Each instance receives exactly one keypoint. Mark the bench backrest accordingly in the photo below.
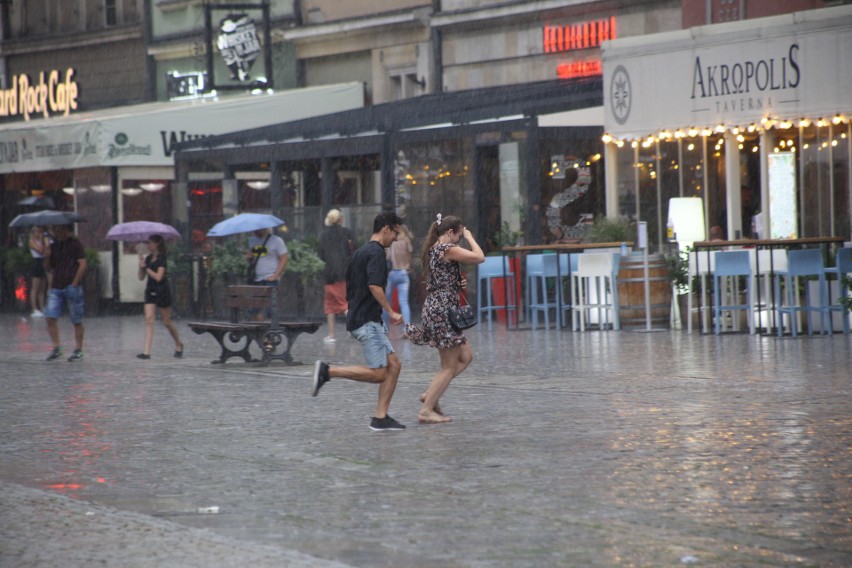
(241, 297)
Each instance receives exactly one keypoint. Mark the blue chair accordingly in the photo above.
(734, 263)
(494, 267)
(802, 263)
(540, 267)
(842, 267)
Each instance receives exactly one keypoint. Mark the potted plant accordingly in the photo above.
(610, 230)
(301, 291)
(227, 265)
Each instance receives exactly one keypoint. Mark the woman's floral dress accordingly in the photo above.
(443, 287)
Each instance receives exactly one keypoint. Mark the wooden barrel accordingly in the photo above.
(631, 291)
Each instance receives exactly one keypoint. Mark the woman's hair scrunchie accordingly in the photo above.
(438, 220)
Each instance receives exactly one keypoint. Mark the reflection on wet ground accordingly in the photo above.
(567, 449)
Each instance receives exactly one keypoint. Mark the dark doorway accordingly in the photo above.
(488, 194)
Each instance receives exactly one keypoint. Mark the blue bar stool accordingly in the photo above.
(540, 267)
(732, 263)
(495, 267)
(842, 267)
(802, 263)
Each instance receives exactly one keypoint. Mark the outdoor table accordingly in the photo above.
(558, 249)
(770, 244)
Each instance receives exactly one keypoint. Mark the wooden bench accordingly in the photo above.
(274, 338)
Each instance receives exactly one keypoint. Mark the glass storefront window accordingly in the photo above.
(814, 194)
(692, 149)
(840, 160)
(144, 200)
(560, 151)
(205, 199)
(669, 178)
(715, 200)
(434, 177)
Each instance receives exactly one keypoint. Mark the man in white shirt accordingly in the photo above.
(269, 254)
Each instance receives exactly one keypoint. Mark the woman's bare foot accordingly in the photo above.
(437, 406)
(429, 417)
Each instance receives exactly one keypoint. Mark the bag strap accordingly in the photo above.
(256, 257)
(462, 297)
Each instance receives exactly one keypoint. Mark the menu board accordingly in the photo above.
(783, 212)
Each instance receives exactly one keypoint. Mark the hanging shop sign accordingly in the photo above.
(729, 77)
(54, 93)
(585, 35)
(238, 44)
(242, 35)
(576, 69)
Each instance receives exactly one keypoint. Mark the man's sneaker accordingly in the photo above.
(37, 314)
(55, 354)
(77, 355)
(385, 424)
(320, 377)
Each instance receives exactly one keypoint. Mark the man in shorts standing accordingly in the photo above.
(366, 278)
(269, 255)
(67, 259)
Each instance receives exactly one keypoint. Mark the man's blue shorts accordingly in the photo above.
(72, 296)
(373, 337)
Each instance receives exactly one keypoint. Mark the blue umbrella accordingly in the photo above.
(244, 223)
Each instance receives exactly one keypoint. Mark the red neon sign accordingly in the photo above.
(578, 36)
(576, 69)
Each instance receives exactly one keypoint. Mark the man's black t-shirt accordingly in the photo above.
(368, 266)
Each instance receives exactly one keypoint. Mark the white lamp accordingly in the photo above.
(686, 216)
(259, 185)
(131, 191)
(152, 186)
(101, 188)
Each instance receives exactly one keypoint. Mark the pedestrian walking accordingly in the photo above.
(336, 245)
(441, 257)
(267, 256)
(399, 263)
(157, 294)
(366, 278)
(39, 243)
(66, 258)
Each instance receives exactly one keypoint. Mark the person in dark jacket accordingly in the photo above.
(335, 247)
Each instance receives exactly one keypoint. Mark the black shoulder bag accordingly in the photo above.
(464, 316)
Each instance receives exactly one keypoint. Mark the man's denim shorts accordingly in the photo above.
(373, 337)
(72, 296)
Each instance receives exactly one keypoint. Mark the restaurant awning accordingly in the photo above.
(752, 73)
(146, 135)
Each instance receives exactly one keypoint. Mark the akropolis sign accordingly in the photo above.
(57, 94)
(729, 79)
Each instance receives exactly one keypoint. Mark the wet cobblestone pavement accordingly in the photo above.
(567, 449)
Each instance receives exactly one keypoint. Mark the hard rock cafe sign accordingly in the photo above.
(55, 92)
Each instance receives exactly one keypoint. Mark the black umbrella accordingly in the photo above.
(46, 217)
(38, 201)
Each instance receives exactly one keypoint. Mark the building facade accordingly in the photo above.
(752, 117)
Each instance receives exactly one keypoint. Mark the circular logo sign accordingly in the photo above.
(121, 138)
(620, 95)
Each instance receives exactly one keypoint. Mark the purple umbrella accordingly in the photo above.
(136, 231)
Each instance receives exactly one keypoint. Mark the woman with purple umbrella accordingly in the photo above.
(157, 294)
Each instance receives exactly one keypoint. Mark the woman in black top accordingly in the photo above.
(157, 294)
